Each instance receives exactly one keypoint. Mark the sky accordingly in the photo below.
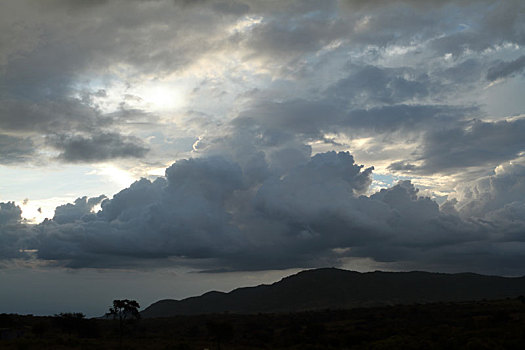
(156, 149)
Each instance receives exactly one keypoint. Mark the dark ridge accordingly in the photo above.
(331, 288)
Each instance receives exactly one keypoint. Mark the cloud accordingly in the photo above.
(404, 118)
(313, 119)
(323, 183)
(183, 215)
(81, 208)
(212, 213)
(15, 149)
(68, 51)
(275, 38)
(13, 233)
(497, 196)
(402, 166)
(371, 85)
(208, 213)
(463, 73)
(364, 4)
(505, 69)
(49, 116)
(232, 8)
(203, 210)
(499, 24)
(57, 58)
(96, 148)
(10, 214)
(476, 143)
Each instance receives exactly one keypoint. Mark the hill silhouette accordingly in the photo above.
(331, 288)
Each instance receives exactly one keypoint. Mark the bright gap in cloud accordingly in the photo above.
(34, 211)
(119, 176)
(147, 95)
(245, 24)
(161, 97)
(157, 171)
(37, 209)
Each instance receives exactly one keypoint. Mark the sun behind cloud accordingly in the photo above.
(161, 96)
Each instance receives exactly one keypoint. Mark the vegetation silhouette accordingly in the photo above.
(496, 324)
(123, 310)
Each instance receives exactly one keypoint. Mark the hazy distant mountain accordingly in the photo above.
(332, 288)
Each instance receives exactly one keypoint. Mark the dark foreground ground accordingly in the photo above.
(466, 325)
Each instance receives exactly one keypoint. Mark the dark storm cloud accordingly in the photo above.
(293, 116)
(505, 69)
(231, 7)
(10, 214)
(12, 232)
(72, 212)
(402, 166)
(279, 39)
(476, 143)
(50, 116)
(78, 4)
(15, 149)
(104, 33)
(208, 213)
(500, 23)
(184, 215)
(423, 4)
(407, 118)
(314, 118)
(60, 121)
(371, 85)
(95, 148)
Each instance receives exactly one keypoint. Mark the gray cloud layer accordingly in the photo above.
(505, 69)
(306, 43)
(99, 147)
(477, 143)
(15, 149)
(209, 213)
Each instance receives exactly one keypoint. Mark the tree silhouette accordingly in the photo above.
(123, 310)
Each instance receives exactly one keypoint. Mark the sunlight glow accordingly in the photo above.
(245, 24)
(116, 175)
(34, 211)
(161, 96)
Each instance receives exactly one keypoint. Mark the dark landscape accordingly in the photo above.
(314, 309)
(332, 288)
